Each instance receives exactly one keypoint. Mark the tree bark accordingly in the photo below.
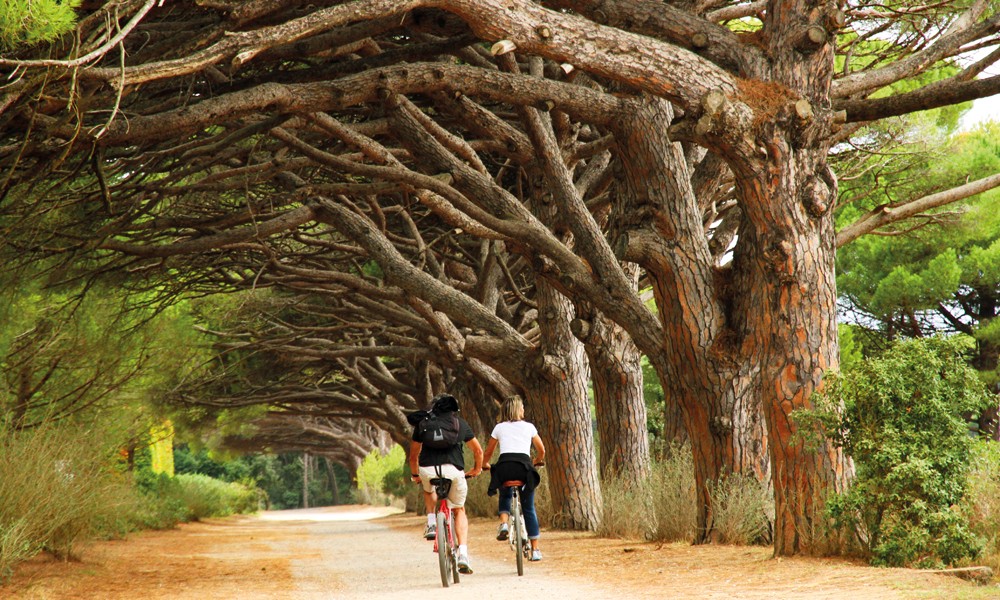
(616, 374)
(695, 358)
(786, 285)
(558, 403)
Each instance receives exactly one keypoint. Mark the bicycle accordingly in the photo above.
(518, 536)
(445, 519)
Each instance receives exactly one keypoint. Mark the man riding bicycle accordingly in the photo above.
(429, 462)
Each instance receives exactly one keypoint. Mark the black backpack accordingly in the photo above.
(439, 426)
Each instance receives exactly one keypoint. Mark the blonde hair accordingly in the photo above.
(512, 409)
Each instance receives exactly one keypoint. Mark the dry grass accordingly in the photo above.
(56, 488)
(982, 503)
(740, 509)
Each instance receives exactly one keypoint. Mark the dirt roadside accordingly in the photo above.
(357, 552)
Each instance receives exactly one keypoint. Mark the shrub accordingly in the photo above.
(982, 502)
(626, 510)
(165, 501)
(662, 509)
(56, 488)
(158, 502)
(740, 508)
(374, 470)
(901, 422)
(673, 500)
(206, 497)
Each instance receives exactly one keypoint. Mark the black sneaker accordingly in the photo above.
(431, 532)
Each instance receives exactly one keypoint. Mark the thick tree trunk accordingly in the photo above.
(557, 402)
(616, 374)
(695, 358)
(790, 298)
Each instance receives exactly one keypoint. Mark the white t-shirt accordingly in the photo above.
(514, 436)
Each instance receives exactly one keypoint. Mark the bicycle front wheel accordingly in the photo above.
(453, 550)
(516, 530)
(444, 547)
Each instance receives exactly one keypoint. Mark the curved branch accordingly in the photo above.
(935, 95)
(889, 214)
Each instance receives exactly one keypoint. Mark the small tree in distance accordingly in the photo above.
(902, 423)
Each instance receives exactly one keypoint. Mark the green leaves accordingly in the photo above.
(899, 416)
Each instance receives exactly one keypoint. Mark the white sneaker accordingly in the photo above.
(431, 532)
(536, 555)
(503, 532)
(464, 566)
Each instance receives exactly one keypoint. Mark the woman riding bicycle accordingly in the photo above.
(515, 436)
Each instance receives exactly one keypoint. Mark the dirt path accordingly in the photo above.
(365, 553)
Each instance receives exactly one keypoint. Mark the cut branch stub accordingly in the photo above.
(580, 328)
(550, 366)
(803, 110)
(721, 426)
(502, 47)
(699, 41)
(834, 19)
(713, 102)
(811, 39)
(815, 197)
(543, 265)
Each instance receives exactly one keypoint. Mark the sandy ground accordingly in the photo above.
(354, 553)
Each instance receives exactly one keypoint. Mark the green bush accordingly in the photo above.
(25, 22)
(902, 423)
(373, 473)
(206, 497)
(158, 502)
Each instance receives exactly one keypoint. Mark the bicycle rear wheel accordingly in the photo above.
(516, 529)
(444, 547)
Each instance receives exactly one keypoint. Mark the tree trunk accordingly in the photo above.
(986, 361)
(331, 476)
(695, 358)
(786, 286)
(558, 404)
(305, 480)
(616, 374)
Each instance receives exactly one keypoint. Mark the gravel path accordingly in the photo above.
(350, 559)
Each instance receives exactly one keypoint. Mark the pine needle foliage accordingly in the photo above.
(28, 22)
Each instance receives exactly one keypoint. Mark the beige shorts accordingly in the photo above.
(459, 487)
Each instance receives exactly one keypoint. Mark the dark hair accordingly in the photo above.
(444, 403)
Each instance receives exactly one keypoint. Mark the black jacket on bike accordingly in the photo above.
(513, 466)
